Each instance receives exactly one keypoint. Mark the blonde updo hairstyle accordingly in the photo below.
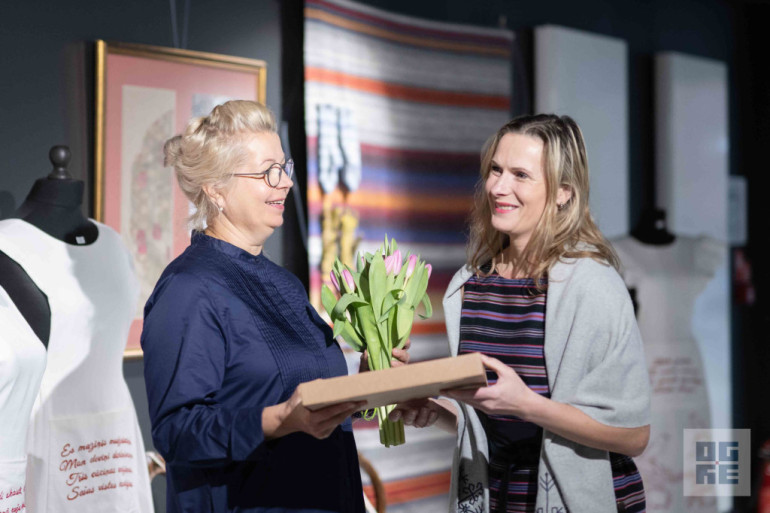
(563, 231)
(211, 149)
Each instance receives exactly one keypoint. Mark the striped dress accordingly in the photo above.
(505, 319)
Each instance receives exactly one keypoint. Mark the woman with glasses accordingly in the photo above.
(228, 335)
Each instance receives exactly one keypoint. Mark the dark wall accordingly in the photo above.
(46, 95)
(751, 135)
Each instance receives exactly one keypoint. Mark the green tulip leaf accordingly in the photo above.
(377, 282)
(428, 307)
(392, 298)
(328, 299)
(350, 336)
(345, 301)
(414, 282)
(338, 325)
(422, 286)
(405, 317)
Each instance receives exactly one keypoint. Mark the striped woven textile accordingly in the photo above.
(423, 97)
(397, 110)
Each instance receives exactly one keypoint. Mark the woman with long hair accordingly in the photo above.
(541, 298)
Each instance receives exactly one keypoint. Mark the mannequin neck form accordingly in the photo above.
(53, 206)
(652, 229)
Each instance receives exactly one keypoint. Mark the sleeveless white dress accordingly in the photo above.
(668, 279)
(85, 449)
(22, 362)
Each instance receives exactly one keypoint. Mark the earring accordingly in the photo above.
(560, 206)
(221, 208)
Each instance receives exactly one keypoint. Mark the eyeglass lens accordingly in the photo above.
(274, 173)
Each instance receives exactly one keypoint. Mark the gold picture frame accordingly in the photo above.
(144, 95)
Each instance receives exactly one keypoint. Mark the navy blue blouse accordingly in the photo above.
(226, 334)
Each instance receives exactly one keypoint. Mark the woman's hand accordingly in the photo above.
(426, 412)
(290, 416)
(509, 396)
(400, 357)
(417, 412)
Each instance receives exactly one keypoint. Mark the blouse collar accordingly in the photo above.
(234, 252)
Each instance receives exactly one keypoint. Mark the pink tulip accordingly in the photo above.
(334, 281)
(349, 281)
(429, 268)
(390, 264)
(398, 261)
(411, 265)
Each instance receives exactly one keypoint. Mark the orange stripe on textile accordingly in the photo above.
(363, 28)
(377, 200)
(413, 489)
(428, 328)
(403, 92)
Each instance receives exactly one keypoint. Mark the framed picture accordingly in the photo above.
(144, 96)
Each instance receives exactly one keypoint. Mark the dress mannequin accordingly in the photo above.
(53, 205)
(73, 283)
(652, 228)
(667, 274)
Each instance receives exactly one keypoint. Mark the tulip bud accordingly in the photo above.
(429, 268)
(389, 264)
(349, 281)
(411, 265)
(334, 281)
(398, 262)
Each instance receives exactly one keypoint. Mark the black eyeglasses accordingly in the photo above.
(272, 175)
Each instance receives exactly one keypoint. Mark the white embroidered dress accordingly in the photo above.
(85, 449)
(668, 279)
(22, 362)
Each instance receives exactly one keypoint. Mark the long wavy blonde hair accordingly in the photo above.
(562, 232)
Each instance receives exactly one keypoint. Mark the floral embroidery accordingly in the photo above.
(470, 496)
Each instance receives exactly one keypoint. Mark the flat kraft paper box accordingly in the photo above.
(399, 384)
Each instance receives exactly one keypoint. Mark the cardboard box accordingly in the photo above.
(391, 386)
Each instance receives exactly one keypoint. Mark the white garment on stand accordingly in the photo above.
(22, 362)
(668, 279)
(85, 449)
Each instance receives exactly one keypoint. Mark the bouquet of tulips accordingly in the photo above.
(375, 311)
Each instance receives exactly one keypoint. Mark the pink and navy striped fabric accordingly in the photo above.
(505, 318)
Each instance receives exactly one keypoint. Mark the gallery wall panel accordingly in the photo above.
(585, 76)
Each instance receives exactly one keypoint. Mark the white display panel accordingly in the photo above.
(691, 143)
(692, 173)
(585, 76)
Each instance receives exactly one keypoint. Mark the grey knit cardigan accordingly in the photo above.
(595, 362)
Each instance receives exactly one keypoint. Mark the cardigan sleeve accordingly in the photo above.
(185, 355)
(604, 356)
